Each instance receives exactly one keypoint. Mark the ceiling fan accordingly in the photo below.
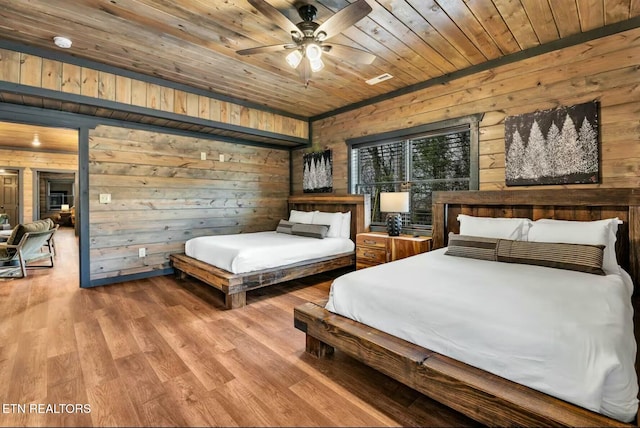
(308, 37)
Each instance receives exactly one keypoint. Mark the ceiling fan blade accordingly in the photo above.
(265, 49)
(344, 19)
(305, 71)
(275, 16)
(348, 53)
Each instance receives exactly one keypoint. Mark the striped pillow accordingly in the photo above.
(285, 226)
(577, 257)
(473, 247)
(310, 230)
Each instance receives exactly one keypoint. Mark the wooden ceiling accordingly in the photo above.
(19, 136)
(194, 41)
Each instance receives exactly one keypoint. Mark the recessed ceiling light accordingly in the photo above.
(378, 79)
(62, 42)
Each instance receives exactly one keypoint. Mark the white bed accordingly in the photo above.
(565, 333)
(248, 252)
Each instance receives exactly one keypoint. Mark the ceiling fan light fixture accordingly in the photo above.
(294, 58)
(316, 65)
(313, 51)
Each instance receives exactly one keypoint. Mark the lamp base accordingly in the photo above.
(394, 224)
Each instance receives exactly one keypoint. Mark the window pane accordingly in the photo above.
(439, 162)
(421, 208)
(382, 164)
(441, 157)
(381, 169)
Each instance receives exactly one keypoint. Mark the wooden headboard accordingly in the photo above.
(333, 203)
(560, 204)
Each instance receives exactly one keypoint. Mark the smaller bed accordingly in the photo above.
(245, 262)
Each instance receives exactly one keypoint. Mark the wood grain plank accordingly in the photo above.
(111, 405)
(71, 78)
(153, 96)
(90, 82)
(542, 20)
(138, 93)
(28, 382)
(95, 359)
(567, 17)
(164, 361)
(51, 74)
(123, 89)
(107, 86)
(9, 66)
(591, 13)
(30, 70)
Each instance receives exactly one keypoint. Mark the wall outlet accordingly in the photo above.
(105, 198)
(203, 155)
(142, 252)
(221, 157)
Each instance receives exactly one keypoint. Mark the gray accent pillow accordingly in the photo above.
(285, 226)
(473, 247)
(578, 257)
(310, 230)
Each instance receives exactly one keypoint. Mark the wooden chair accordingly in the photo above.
(30, 248)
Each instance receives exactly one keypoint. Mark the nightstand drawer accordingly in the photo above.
(379, 241)
(371, 254)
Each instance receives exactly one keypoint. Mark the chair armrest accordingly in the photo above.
(4, 245)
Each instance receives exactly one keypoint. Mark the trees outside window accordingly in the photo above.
(420, 164)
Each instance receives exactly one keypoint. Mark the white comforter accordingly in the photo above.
(247, 252)
(568, 334)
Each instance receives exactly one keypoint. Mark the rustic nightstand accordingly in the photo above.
(374, 248)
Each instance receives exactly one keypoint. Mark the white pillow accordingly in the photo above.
(345, 231)
(599, 232)
(499, 228)
(301, 216)
(333, 220)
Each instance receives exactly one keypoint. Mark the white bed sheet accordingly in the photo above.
(247, 252)
(565, 333)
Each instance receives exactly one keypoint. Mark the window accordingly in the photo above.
(420, 160)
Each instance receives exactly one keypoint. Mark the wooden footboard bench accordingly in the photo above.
(478, 394)
(235, 286)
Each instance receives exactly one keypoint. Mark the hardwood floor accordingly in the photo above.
(156, 352)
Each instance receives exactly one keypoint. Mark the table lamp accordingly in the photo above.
(394, 203)
(64, 207)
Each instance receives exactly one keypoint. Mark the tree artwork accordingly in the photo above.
(317, 172)
(538, 151)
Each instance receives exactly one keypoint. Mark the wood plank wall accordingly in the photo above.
(605, 69)
(30, 161)
(31, 70)
(162, 194)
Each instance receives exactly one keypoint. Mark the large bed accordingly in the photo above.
(235, 264)
(575, 352)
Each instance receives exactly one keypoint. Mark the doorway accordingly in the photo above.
(9, 197)
(55, 196)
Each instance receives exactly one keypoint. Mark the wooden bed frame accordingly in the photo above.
(235, 286)
(480, 395)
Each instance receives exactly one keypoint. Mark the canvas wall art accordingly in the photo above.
(317, 175)
(558, 146)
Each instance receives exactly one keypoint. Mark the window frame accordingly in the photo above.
(469, 123)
